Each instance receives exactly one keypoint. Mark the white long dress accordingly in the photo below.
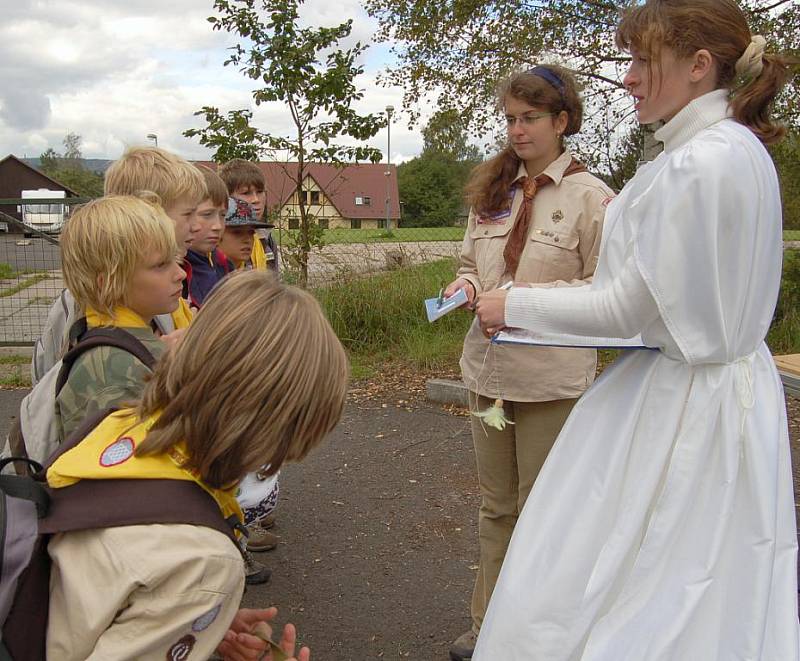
(662, 525)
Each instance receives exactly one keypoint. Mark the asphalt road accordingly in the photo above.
(37, 254)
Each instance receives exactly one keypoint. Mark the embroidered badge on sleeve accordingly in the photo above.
(182, 649)
(118, 452)
(204, 621)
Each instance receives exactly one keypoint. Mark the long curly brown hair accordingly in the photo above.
(489, 183)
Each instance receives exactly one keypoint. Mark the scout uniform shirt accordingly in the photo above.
(561, 251)
(105, 377)
(156, 591)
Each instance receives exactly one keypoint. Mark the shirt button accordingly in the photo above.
(485, 232)
(556, 239)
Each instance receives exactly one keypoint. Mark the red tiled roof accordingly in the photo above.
(341, 186)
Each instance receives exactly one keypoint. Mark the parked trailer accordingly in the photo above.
(45, 216)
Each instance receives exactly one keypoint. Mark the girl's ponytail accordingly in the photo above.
(752, 101)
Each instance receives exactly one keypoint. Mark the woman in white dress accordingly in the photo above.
(662, 525)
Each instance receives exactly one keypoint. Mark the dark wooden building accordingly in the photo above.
(17, 176)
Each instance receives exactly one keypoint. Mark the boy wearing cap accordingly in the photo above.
(241, 223)
(245, 181)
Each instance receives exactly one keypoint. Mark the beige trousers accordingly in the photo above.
(508, 463)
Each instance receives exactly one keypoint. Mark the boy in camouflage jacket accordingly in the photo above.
(121, 263)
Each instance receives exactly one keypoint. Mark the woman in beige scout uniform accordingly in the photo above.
(536, 217)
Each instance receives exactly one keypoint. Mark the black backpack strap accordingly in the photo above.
(25, 488)
(103, 337)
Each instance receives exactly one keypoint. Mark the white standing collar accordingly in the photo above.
(699, 114)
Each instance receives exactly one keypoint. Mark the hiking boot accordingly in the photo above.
(464, 646)
(254, 572)
(267, 522)
(260, 539)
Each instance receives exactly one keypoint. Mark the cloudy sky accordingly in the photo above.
(114, 72)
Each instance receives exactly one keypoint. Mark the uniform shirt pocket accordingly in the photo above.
(489, 241)
(552, 254)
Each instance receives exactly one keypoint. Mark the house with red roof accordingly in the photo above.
(354, 196)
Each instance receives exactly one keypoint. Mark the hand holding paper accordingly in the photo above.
(491, 309)
(438, 307)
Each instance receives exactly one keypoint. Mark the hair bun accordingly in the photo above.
(751, 63)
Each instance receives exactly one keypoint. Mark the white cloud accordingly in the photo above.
(114, 72)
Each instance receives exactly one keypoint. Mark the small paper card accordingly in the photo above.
(519, 336)
(435, 310)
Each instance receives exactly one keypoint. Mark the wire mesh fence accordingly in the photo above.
(30, 263)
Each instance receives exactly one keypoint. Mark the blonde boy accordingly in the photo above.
(120, 261)
(178, 184)
(205, 266)
(180, 188)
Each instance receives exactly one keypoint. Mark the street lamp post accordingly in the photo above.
(153, 137)
(389, 111)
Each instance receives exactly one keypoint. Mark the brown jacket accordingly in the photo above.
(561, 251)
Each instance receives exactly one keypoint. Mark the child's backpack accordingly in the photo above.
(30, 512)
(22, 502)
(34, 435)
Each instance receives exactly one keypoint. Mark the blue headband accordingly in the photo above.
(550, 77)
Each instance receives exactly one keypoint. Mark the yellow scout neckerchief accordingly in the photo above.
(107, 453)
(258, 256)
(123, 317)
(182, 317)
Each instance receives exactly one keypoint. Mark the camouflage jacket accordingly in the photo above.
(103, 377)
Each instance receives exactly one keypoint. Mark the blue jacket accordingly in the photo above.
(203, 272)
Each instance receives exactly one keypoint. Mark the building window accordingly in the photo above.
(355, 223)
(359, 201)
(323, 223)
(314, 197)
(294, 223)
(366, 201)
(362, 201)
(382, 224)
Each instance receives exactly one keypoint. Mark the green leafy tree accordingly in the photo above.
(432, 185)
(305, 70)
(786, 155)
(69, 169)
(454, 53)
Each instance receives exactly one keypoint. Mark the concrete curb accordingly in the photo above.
(447, 391)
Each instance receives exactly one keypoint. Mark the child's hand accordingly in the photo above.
(174, 338)
(240, 643)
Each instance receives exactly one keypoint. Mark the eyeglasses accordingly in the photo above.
(527, 119)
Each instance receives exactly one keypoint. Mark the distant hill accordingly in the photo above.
(99, 165)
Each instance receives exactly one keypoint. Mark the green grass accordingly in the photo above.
(288, 237)
(15, 359)
(15, 381)
(383, 318)
(23, 284)
(784, 334)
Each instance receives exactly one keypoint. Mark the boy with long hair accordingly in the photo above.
(171, 589)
